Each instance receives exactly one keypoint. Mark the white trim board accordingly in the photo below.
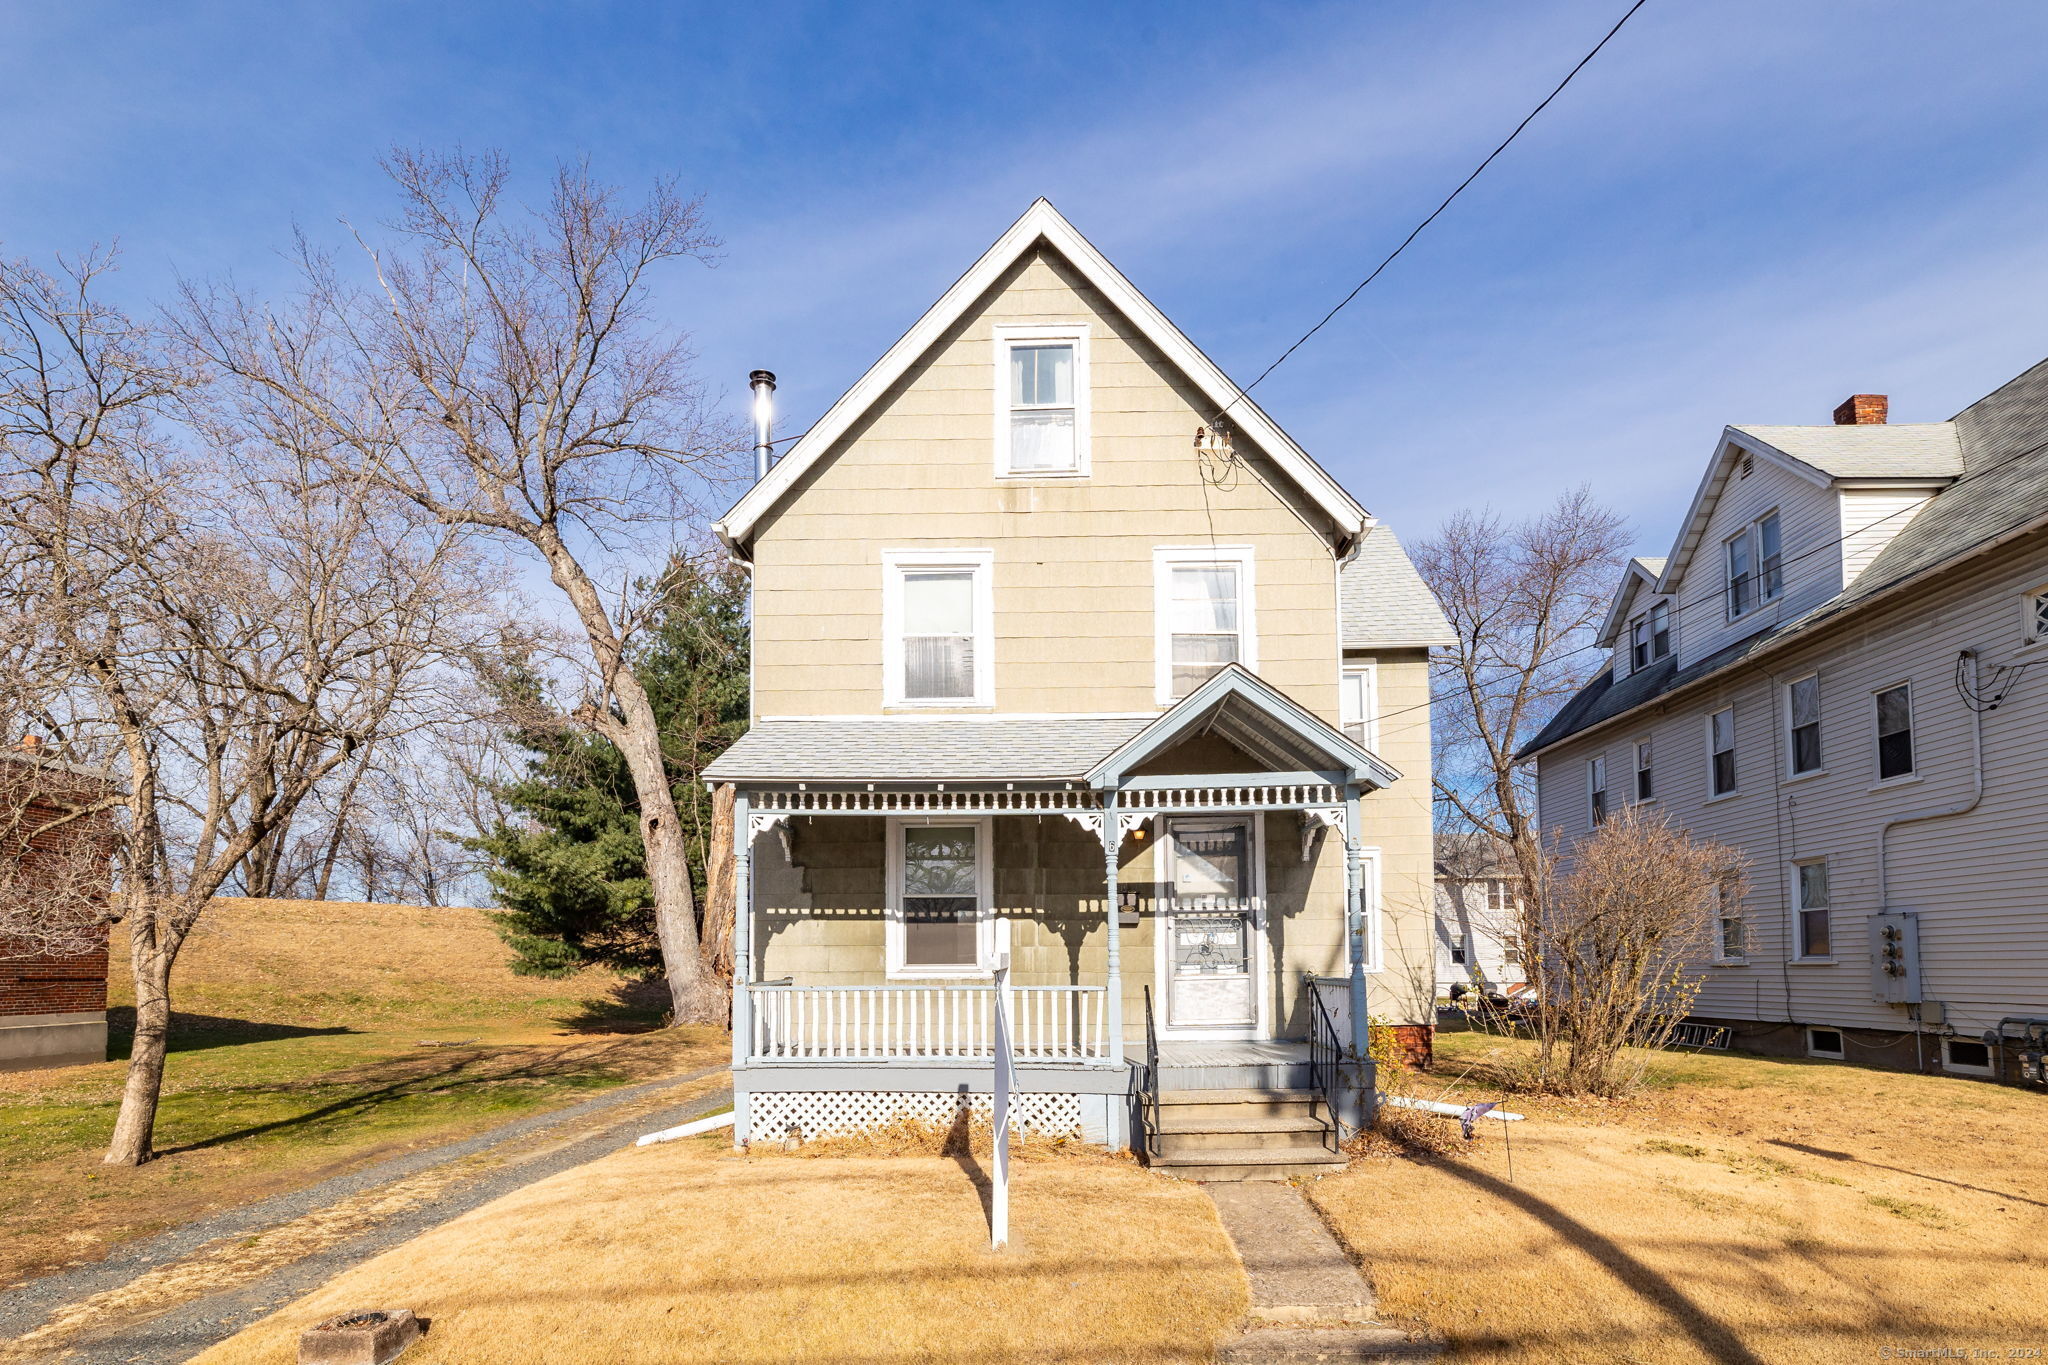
(1041, 223)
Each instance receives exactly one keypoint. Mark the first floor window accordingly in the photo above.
(1646, 785)
(1596, 789)
(936, 628)
(1811, 886)
(1802, 717)
(1731, 941)
(939, 925)
(1204, 609)
(1894, 732)
(1721, 751)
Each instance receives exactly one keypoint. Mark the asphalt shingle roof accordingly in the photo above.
(1382, 601)
(2003, 444)
(936, 749)
(1872, 451)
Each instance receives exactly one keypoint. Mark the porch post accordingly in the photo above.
(1113, 1012)
(1364, 1082)
(742, 956)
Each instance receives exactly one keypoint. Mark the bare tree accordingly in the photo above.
(1634, 904)
(56, 855)
(501, 370)
(225, 626)
(1524, 600)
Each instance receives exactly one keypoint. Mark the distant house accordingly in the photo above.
(1047, 671)
(1478, 908)
(53, 998)
(1836, 669)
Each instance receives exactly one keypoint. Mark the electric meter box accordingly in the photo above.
(1895, 957)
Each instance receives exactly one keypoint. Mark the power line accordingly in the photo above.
(1527, 119)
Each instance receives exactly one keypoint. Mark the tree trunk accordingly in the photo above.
(719, 909)
(135, 1127)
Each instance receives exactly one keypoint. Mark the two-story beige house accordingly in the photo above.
(1834, 671)
(1067, 657)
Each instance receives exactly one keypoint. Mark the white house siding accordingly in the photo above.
(1979, 881)
(1809, 528)
(1462, 914)
(1870, 518)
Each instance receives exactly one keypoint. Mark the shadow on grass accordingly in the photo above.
(198, 1032)
(1901, 1170)
(630, 1007)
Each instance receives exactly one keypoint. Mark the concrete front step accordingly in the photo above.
(1271, 1134)
(1252, 1102)
(1332, 1344)
(1250, 1163)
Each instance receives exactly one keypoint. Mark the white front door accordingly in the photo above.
(1211, 958)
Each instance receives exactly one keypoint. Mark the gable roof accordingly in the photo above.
(1910, 450)
(2002, 494)
(1382, 602)
(1041, 223)
(1641, 569)
(1252, 715)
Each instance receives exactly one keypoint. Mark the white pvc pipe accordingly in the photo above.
(686, 1130)
(1449, 1111)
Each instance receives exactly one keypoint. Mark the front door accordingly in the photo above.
(1210, 945)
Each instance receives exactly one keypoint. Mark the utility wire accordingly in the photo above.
(1435, 213)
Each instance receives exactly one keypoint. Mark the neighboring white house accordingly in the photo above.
(1835, 671)
(1478, 910)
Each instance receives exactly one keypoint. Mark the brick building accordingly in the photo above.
(53, 991)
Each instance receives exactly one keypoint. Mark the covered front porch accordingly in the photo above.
(1161, 890)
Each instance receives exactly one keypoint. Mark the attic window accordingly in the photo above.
(1041, 402)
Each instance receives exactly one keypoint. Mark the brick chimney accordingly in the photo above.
(1862, 410)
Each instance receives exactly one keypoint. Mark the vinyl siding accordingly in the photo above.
(1073, 558)
(1979, 882)
(1870, 518)
(1809, 527)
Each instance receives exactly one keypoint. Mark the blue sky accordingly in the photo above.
(1742, 212)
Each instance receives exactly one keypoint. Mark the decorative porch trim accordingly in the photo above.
(1314, 818)
(772, 1113)
(1073, 803)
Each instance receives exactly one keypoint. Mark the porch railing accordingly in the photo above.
(927, 1023)
(1325, 1053)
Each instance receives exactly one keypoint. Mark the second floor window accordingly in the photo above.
(1041, 409)
(1756, 572)
(1894, 732)
(1358, 705)
(1204, 616)
(1646, 784)
(1802, 723)
(1721, 752)
(935, 618)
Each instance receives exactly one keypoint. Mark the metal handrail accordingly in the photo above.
(1325, 1054)
(1148, 1086)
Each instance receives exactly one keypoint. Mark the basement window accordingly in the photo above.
(1966, 1057)
(1825, 1042)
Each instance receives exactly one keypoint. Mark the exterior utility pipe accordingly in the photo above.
(1977, 710)
(686, 1130)
(763, 384)
(1449, 1111)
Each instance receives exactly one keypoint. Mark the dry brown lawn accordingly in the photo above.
(310, 1039)
(684, 1252)
(1741, 1211)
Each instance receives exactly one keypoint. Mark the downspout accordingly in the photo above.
(1968, 659)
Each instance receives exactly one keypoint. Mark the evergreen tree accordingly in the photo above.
(571, 877)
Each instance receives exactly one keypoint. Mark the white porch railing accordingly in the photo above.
(928, 1023)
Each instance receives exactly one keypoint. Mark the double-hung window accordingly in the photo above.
(939, 922)
(1041, 402)
(1359, 704)
(1458, 949)
(936, 610)
(1802, 724)
(1646, 782)
(1202, 610)
(1731, 944)
(1756, 573)
(1721, 752)
(1596, 790)
(1650, 637)
(1810, 887)
(1894, 732)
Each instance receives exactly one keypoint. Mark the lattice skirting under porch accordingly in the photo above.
(771, 1113)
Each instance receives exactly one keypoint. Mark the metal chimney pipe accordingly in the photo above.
(763, 383)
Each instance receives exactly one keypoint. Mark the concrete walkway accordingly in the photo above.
(503, 1159)
(1309, 1302)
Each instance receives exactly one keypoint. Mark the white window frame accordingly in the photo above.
(982, 564)
(1877, 735)
(1656, 653)
(1643, 749)
(1734, 772)
(1799, 909)
(1369, 894)
(1006, 337)
(1819, 732)
(1166, 558)
(1724, 912)
(2031, 605)
(1990, 1067)
(990, 935)
(1639, 642)
(1752, 536)
(1596, 791)
(1369, 723)
(1813, 1051)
